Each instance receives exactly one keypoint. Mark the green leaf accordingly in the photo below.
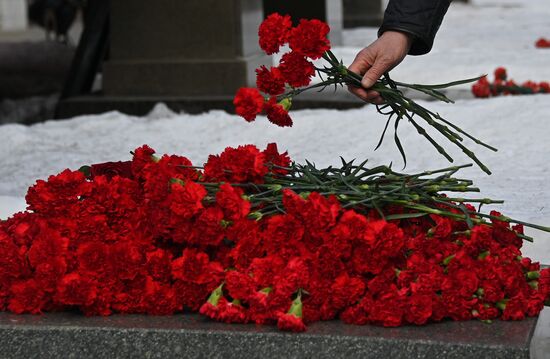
(405, 216)
(444, 85)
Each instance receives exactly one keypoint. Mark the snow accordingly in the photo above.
(473, 39)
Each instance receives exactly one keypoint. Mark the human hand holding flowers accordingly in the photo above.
(308, 41)
(376, 59)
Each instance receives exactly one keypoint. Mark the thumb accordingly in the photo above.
(373, 74)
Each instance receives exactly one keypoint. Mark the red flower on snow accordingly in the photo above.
(542, 43)
(500, 74)
(482, 88)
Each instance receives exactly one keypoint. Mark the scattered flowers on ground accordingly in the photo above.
(543, 43)
(503, 85)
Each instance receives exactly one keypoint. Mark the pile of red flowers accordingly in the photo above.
(502, 85)
(308, 40)
(543, 43)
(160, 236)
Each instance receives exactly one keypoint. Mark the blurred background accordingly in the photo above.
(61, 58)
(38, 39)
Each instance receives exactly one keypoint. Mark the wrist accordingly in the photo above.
(405, 38)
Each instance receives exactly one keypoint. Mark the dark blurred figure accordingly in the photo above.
(55, 16)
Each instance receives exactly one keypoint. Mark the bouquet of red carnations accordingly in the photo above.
(308, 41)
(252, 237)
(504, 86)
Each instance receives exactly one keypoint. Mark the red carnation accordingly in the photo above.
(277, 114)
(419, 309)
(92, 258)
(59, 193)
(75, 289)
(248, 103)
(208, 228)
(231, 201)
(500, 74)
(274, 32)
(482, 88)
(186, 200)
(142, 157)
(309, 38)
(296, 69)
(292, 320)
(515, 308)
(112, 169)
(159, 299)
(542, 43)
(159, 265)
(271, 81)
(291, 323)
(236, 165)
(27, 297)
(232, 313)
(273, 157)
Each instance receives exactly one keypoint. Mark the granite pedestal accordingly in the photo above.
(182, 48)
(66, 335)
(358, 13)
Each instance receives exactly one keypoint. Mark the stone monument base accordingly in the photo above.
(72, 335)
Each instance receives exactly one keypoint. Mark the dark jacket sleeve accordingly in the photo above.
(420, 18)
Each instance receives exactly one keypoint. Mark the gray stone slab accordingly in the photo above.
(182, 48)
(66, 335)
(358, 13)
(33, 68)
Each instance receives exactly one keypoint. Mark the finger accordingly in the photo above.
(359, 65)
(372, 94)
(378, 100)
(373, 74)
(359, 92)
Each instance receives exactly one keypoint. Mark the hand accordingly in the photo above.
(378, 58)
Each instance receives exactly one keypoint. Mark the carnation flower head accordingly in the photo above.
(482, 88)
(277, 113)
(292, 321)
(542, 43)
(273, 157)
(270, 81)
(236, 165)
(231, 201)
(274, 32)
(500, 74)
(310, 39)
(296, 69)
(248, 103)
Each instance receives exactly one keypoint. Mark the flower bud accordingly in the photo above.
(216, 295)
(286, 103)
(255, 215)
(275, 187)
(533, 275)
